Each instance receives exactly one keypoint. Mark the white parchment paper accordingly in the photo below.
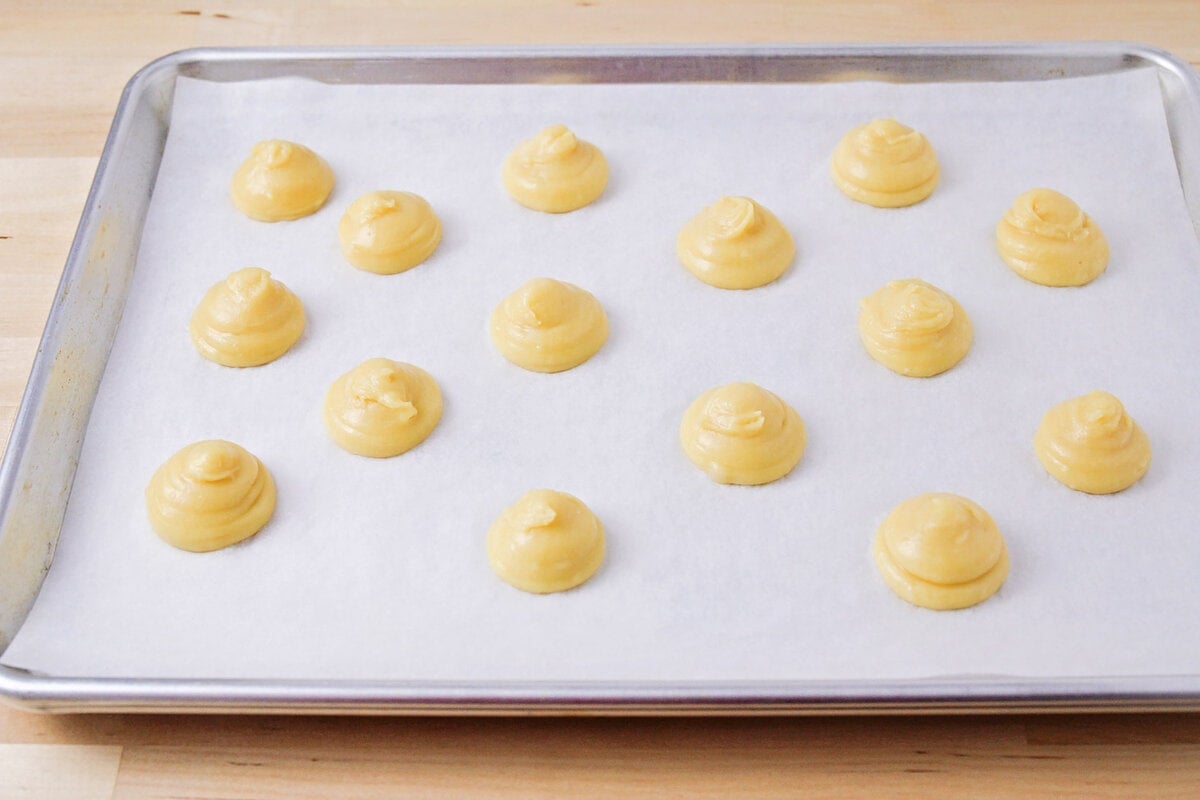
(376, 569)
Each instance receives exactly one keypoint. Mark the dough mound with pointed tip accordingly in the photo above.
(382, 408)
(389, 232)
(1091, 444)
(941, 551)
(885, 164)
(210, 495)
(247, 320)
(546, 542)
(555, 171)
(740, 433)
(280, 181)
(914, 328)
(735, 244)
(548, 326)
(1048, 239)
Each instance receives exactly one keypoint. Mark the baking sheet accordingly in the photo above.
(376, 569)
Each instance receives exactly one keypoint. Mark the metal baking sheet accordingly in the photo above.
(39, 466)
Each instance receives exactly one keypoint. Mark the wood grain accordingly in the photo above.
(1150, 756)
(62, 69)
(66, 771)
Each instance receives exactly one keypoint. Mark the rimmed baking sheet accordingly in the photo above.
(705, 585)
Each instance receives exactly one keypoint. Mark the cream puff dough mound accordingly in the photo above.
(389, 232)
(941, 551)
(885, 164)
(735, 244)
(548, 326)
(1091, 444)
(546, 542)
(555, 171)
(740, 433)
(246, 320)
(1048, 239)
(914, 328)
(281, 181)
(210, 495)
(382, 408)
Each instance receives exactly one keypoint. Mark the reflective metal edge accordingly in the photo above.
(39, 464)
(933, 695)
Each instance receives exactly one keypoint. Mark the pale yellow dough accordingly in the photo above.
(941, 551)
(885, 164)
(389, 232)
(548, 326)
(1091, 444)
(914, 328)
(382, 408)
(743, 434)
(1048, 239)
(210, 495)
(547, 541)
(555, 171)
(280, 181)
(246, 320)
(735, 244)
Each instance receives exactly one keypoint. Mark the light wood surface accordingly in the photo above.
(62, 69)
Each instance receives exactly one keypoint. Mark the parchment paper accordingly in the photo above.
(376, 569)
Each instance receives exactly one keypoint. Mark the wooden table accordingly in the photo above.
(61, 73)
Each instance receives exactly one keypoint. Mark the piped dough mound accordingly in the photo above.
(1048, 239)
(735, 244)
(914, 328)
(547, 541)
(246, 320)
(280, 181)
(885, 164)
(210, 495)
(941, 551)
(548, 326)
(740, 433)
(555, 171)
(1091, 444)
(387, 232)
(382, 408)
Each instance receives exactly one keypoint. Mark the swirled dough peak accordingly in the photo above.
(246, 320)
(382, 408)
(548, 326)
(389, 232)
(743, 434)
(279, 181)
(210, 495)
(1047, 238)
(1091, 444)
(555, 171)
(547, 541)
(914, 328)
(735, 244)
(941, 551)
(885, 164)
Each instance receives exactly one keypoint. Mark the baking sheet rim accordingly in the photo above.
(1009, 694)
